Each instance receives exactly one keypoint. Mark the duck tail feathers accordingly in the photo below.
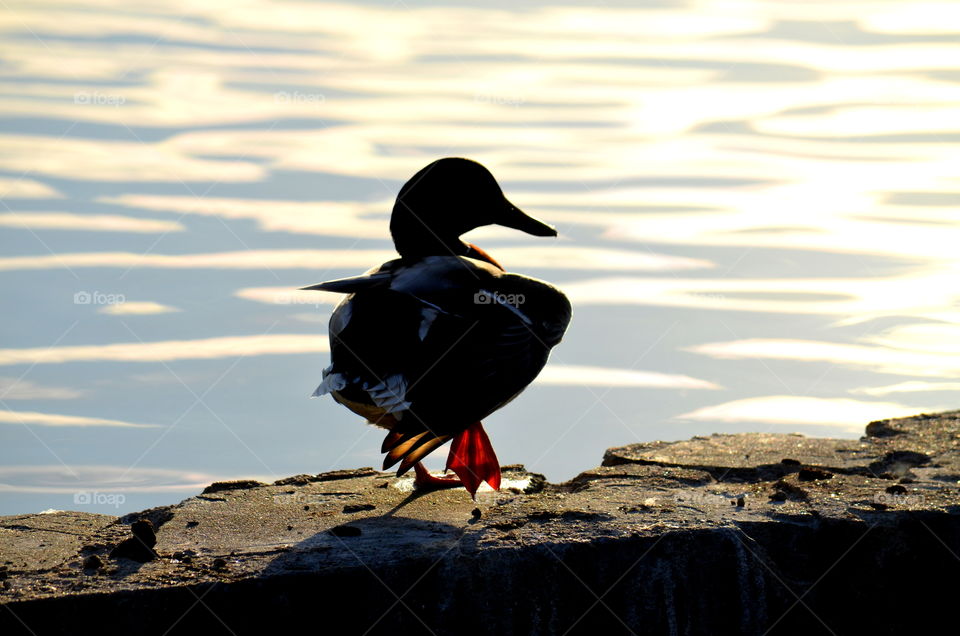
(352, 284)
(409, 448)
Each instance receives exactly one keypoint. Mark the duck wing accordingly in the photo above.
(481, 359)
(475, 362)
(468, 368)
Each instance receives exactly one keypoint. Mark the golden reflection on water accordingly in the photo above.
(69, 480)
(801, 411)
(705, 160)
(169, 350)
(49, 419)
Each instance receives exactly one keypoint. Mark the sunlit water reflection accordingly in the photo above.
(754, 198)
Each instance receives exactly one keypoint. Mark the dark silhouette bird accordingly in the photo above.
(428, 345)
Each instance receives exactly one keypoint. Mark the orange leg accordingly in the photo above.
(425, 481)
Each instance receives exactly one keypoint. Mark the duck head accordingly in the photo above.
(448, 198)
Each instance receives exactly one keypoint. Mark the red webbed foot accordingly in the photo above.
(473, 460)
(425, 481)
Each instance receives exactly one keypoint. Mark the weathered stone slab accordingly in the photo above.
(718, 533)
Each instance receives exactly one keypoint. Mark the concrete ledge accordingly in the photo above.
(749, 533)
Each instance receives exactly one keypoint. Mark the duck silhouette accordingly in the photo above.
(429, 344)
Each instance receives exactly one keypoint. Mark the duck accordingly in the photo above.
(428, 345)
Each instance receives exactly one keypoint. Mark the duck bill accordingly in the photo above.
(515, 218)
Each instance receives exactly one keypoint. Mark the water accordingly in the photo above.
(756, 202)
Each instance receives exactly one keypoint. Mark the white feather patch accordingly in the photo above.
(428, 315)
(390, 395)
(331, 382)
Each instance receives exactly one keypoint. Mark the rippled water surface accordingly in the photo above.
(757, 204)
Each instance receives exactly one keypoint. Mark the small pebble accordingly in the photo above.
(813, 474)
(476, 513)
(220, 563)
(139, 547)
(143, 530)
(92, 562)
